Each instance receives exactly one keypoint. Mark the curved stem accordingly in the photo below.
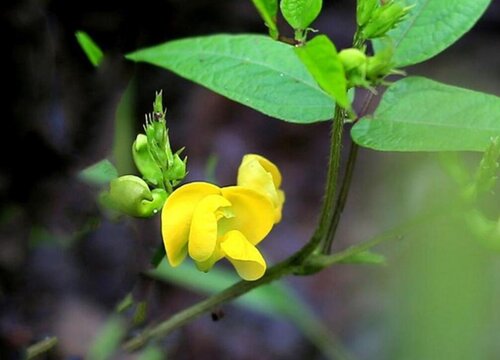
(192, 312)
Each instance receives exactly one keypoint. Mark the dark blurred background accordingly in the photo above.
(64, 265)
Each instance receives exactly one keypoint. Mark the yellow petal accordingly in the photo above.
(176, 218)
(268, 166)
(245, 257)
(203, 231)
(206, 265)
(253, 213)
(258, 173)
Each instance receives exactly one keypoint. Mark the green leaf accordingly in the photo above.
(90, 48)
(274, 300)
(268, 10)
(300, 13)
(418, 114)
(321, 59)
(254, 70)
(431, 27)
(100, 173)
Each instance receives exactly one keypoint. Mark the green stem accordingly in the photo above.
(396, 233)
(332, 177)
(346, 184)
(190, 313)
(41, 347)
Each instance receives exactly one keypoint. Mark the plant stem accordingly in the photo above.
(41, 347)
(332, 177)
(190, 313)
(346, 184)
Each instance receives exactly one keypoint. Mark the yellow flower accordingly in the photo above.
(261, 175)
(209, 223)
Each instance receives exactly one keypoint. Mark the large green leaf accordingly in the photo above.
(431, 27)
(254, 70)
(418, 114)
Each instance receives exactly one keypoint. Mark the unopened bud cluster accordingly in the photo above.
(160, 167)
(375, 20)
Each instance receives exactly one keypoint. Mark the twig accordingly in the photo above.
(41, 347)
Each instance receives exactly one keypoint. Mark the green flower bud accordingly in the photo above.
(177, 171)
(364, 11)
(144, 162)
(380, 65)
(131, 195)
(384, 19)
(352, 58)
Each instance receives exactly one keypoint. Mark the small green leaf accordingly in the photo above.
(431, 27)
(100, 173)
(364, 257)
(254, 70)
(90, 48)
(268, 10)
(321, 59)
(300, 13)
(418, 114)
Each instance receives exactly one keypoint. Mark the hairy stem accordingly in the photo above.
(346, 184)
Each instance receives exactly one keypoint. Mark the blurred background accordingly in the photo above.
(64, 265)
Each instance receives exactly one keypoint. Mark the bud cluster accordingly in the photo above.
(375, 19)
(160, 167)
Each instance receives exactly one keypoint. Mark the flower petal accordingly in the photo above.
(266, 164)
(176, 217)
(203, 230)
(253, 213)
(245, 257)
(258, 173)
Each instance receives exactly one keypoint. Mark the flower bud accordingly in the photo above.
(384, 19)
(144, 162)
(352, 58)
(364, 11)
(380, 65)
(131, 195)
(177, 171)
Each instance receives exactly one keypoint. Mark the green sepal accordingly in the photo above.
(177, 170)
(144, 162)
(130, 195)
